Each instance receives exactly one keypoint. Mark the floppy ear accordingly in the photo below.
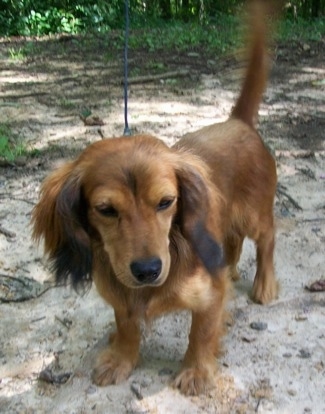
(194, 210)
(60, 217)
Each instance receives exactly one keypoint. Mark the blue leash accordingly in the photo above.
(127, 130)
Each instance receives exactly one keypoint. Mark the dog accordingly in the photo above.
(161, 229)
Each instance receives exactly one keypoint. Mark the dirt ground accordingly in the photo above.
(55, 334)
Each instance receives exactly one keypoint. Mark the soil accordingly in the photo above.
(50, 335)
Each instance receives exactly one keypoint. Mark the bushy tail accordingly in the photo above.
(259, 13)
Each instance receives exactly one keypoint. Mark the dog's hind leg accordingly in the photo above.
(265, 287)
(233, 248)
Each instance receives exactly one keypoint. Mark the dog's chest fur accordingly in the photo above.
(191, 292)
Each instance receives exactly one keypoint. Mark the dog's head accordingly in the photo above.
(124, 195)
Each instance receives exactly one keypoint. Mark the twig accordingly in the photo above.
(45, 290)
(292, 201)
(100, 132)
(27, 95)
(10, 197)
(65, 322)
(308, 172)
(157, 77)
(312, 220)
(7, 233)
(38, 319)
(24, 200)
(295, 154)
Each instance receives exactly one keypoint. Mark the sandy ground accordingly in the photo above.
(280, 369)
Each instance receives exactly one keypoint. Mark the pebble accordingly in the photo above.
(133, 407)
(165, 371)
(193, 54)
(303, 353)
(21, 161)
(287, 355)
(248, 340)
(301, 318)
(136, 389)
(92, 389)
(258, 326)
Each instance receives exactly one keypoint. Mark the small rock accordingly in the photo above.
(301, 318)
(287, 355)
(248, 340)
(193, 54)
(21, 161)
(262, 390)
(304, 354)
(136, 389)
(134, 407)
(91, 390)
(165, 371)
(318, 286)
(258, 326)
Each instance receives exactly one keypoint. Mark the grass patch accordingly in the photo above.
(218, 36)
(300, 29)
(16, 53)
(67, 104)
(11, 147)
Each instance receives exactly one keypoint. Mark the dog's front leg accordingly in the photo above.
(199, 364)
(115, 363)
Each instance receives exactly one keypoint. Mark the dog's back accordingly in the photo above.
(233, 149)
(241, 166)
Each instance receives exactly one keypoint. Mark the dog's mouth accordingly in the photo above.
(155, 283)
(135, 284)
(148, 272)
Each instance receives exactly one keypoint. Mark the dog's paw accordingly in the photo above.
(111, 368)
(265, 291)
(193, 381)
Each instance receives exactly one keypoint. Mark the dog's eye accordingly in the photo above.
(165, 203)
(107, 211)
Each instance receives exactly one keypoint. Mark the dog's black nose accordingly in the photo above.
(146, 270)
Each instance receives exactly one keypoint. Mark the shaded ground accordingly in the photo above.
(278, 370)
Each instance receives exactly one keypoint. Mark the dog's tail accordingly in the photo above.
(255, 80)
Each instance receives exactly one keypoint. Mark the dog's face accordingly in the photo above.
(124, 195)
(131, 204)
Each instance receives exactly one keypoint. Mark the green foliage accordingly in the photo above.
(39, 17)
(10, 148)
(301, 29)
(50, 21)
(16, 54)
(218, 36)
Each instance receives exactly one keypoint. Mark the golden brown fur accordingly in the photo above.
(158, 229)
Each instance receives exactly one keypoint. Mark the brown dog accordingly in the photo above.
(159, 228)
